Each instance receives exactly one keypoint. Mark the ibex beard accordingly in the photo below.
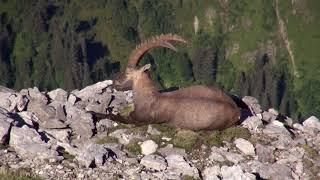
(195, 108)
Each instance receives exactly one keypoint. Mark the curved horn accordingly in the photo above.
(157, 41)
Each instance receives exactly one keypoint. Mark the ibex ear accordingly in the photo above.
(145, 67)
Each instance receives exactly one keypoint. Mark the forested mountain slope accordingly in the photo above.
(264, 48)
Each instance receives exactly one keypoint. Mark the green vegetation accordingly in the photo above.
(133, 147)
(237, 46)
(107, 139)
(185, 139)
(20, 174)
(216, 138)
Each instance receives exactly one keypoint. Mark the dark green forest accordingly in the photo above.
(268, 49)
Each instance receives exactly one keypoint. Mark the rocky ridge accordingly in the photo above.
(74, 135)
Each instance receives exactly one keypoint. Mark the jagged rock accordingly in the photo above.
(291, 155)
(153, 131)
(211, 173)
(48, 116)
(62, 135)
(265, 153)
(28, 144)
(274, 171)
(268, 116)
(8, 101)
(312, 122)
(170, 150)
(93, 155)
(252, 124)
(6, 90)
(235, 172)
(154, 162)
(104, 124)
(99, 103)
(58, 95)
(234, 157)
(28, 117)
(98, 88)
(179, 165)
(36, 95)
(273, 111)
(5, 126)
(283, 142)
(124, 136)
(253, 103)
(244, 146)
(80, 122)
(148, 147)
(72, 99)
(216, 154)
(275, 128)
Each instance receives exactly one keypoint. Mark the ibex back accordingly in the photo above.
(196, 107)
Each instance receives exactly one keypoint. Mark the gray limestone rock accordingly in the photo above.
(28, 144)
(211, 173)
(154, 162)
(49, 116)
(58, 95)
(179, 165)
(265, 153)
(253, 124)
(170, 150)
(148, 147)
(80, 122)
(5, 126)
(93, 155)
(245, 146)
(235, 172)
(312, 122)
(253, 103)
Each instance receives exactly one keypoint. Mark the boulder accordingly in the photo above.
(58, 95)
(98, 88)
(148, 147)
(92, 155)
(5, 126)
(253, 124)
(235, 172)
(48, 116)
(28, 144)
(154, 162)
(312, 122)
(245, 146)
(170, 150)
(177, 164)
(253, 103)
(265, 153)
(80, 122)
(211, 173)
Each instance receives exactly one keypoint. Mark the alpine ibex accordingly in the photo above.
(196, 107)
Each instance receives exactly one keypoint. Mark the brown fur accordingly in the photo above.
(196, 107)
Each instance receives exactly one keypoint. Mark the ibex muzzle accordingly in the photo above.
(195, 107)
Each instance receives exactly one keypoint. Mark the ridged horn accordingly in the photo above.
(157, 41)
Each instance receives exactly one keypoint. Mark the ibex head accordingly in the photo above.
(124, 81)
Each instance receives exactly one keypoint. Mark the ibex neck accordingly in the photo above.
(144, 88)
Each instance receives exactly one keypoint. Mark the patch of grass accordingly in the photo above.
(216, 138)
(20, 174)
(235, 132)
(185, 139)
(213, 139)
(165, 130)
(312, 153)
(107, 139)
(133, 147)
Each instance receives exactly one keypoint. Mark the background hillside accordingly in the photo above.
(264, 48)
